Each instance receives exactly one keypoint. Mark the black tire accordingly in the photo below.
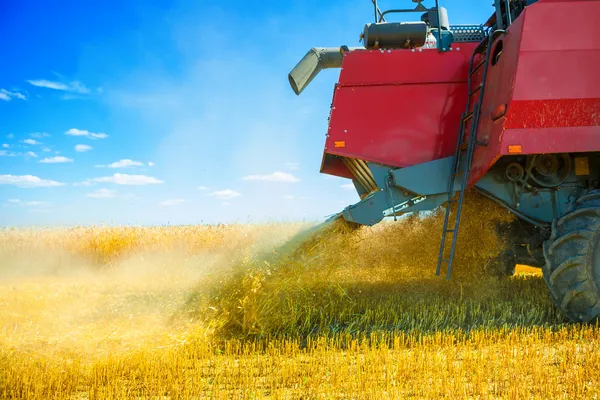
(572, 269)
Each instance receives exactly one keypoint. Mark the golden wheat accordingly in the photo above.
(239, 311)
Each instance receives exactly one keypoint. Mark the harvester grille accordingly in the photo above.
(467, 33)
(362, 174)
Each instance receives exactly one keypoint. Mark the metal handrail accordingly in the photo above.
(377, 11)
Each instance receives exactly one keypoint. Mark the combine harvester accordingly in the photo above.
(511, 108)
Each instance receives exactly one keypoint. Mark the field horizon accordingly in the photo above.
(242, 311)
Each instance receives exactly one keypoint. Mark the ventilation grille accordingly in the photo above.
(467, 33)
(362, 174)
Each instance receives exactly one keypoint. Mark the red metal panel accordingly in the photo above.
(549, 75)
(554, 140)
(548, 79)
(396, 125)
(403, 107)
(554, 113)
(498, 91)
(376, 67)
(333, 165)
(559, 25)
(398, 107)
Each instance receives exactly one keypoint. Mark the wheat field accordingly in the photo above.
(281, 311)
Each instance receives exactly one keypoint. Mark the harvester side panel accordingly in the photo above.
(397, 107)
(499, 88)
(556, 103)
(330, 164)
(550, 87)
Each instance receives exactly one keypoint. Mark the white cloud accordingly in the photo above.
(288, 197)
(27, 181)
(126, 179)
(225, 203)
(34, 203)
(6, 145)
(123, 164)
(102, 194)
(39, 135)
(8, 153)
(56, 160)
(10, 136)
(294, 166)
(84, 183)
(81, 148)
(47, 149)
(151, 164)
(202, 188)
(225, 194)
(172, 202)
(74, 86)
(30, 141)
(26, 203)
(274, 177)
(86, 133)
(31, 154)
(7, 95)
(348, 186)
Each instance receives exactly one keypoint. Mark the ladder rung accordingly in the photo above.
(474, 70)
(464, 145)
(479, 87)
(468, 144)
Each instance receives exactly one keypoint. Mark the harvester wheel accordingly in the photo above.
(572, 270)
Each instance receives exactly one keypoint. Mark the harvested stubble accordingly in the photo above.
(211, 312)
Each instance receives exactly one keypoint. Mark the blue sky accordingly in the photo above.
(155, 112)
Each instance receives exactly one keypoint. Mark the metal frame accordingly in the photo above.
(403, 190)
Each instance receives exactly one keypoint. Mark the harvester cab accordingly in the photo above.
(513, 111)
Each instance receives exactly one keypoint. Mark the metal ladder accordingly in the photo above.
(468, 145)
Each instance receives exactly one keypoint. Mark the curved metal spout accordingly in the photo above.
(317, 59)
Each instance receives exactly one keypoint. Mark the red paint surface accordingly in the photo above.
(553, 113)
(402, 108)
(398, 125)
(398, 108)
(498, 91)
(553, 140)
(548, 78)
(333, 165)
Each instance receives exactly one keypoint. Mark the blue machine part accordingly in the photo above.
(399, 191)
(446, 40)
(403, 190)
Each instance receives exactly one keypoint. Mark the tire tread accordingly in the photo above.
(568, 270)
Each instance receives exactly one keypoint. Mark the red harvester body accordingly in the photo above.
(403, 107)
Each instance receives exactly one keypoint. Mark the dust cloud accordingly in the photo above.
(56, 300)
(106, 290)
